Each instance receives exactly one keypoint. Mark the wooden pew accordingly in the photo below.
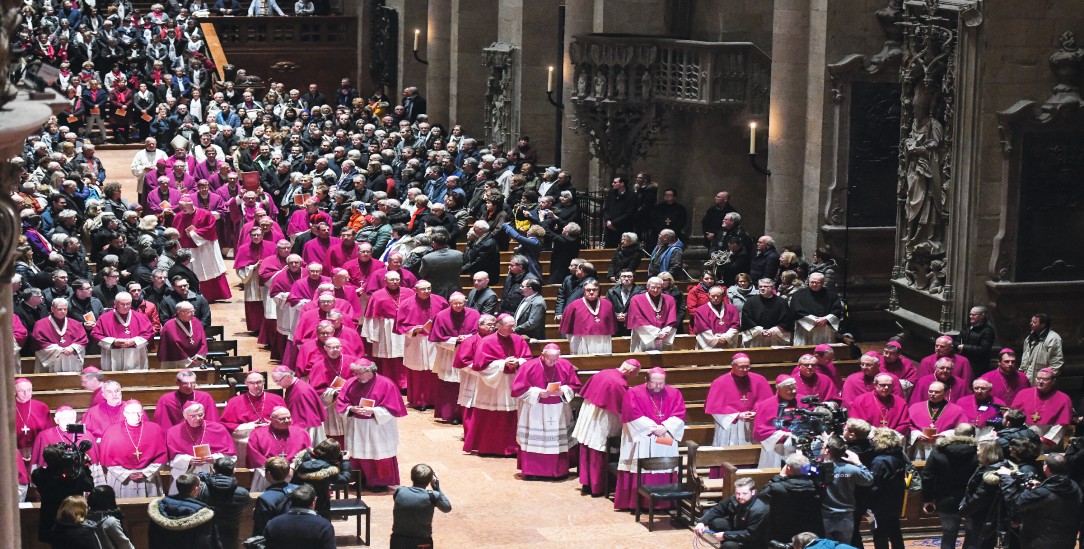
(702, 459)
(137, 378)
(699, 357)
(136, 521)
(682, 342)
(80, 398)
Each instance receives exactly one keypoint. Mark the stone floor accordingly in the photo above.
(492, 506)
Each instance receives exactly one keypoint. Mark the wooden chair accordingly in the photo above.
(675, 492)
(217, 349)
(613, 454)
(232, 367)
(215, 332)
(344, 506)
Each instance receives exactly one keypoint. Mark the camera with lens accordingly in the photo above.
(779, 545)
(807, 425)
(74, 459)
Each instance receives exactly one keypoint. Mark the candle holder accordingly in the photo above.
(419, 59)
(753, 162)
(549, 95)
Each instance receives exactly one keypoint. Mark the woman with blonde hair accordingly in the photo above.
(72, 530)
(889, 486)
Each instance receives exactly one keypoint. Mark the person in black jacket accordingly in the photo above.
(976, 340)
(738, 522)
(618, 212)
(627, 256)
(1049, 509)
(945, 476)
(275, 498)
(889, 486)
(981, 505)
(790, 495)
(482, 252)
(300, 526)
(55, 483)
(72, 530)
(226, 499)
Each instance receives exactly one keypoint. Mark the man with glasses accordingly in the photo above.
(716, 323)
(652, 319)
(818, 311)
(588, 322)
(278, 438)
(766, 319)
(184, 342)
(249, 410)
(731, 400)
(531, 312)
(653, 415)
(864, 380)
(123, 334)
(195, 443)
(882, 407)
(170, 408)
(132, 453)
(1047, 410)
(181, 292)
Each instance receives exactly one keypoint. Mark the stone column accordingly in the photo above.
(787, 119)
(575, 154)
(438, 49)
(473, 27)
(531, 25)
(20, 118)
(413, 14)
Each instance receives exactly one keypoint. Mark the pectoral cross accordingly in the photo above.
(137, 453)
(1036, 417)
(884, 423)
(61, 341)
(25, 429)
(744, 398)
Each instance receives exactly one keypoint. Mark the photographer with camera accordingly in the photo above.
(65, 474)
(740, 521)
(840, 473)
(771, 426)
(1049, 510)
(790, 496)
(1013, 427)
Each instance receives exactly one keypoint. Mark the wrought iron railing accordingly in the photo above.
(591, 203)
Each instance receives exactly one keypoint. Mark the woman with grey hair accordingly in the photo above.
(567, 210)
(627, 256)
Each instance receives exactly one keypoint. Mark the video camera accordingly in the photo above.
(779, 544)
(807, 425)
(75, 460)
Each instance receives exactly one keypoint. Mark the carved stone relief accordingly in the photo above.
(500, 92)
(927, 77)
(383, 43)
(1044, 154)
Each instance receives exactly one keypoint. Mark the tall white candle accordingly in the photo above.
(549, 80)
(417, 33)
(752, 138)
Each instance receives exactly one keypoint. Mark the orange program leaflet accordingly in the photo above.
(300, 199)
(201, 451)
(664, 440)
(88, 317)
(338, 383)
(367, 403)
(553, 386)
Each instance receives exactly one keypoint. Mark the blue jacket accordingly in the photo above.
(299, 528)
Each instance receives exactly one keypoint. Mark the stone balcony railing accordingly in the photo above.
(685, 74)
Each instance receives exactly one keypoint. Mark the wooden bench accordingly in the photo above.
(133, 378)
(80, 398)
(682, 342)
(698, 357)
(703, 459)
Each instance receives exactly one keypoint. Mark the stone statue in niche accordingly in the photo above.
(923, 187)
(600, 84)
(645, 85)
(581, 83)
(620, 85)
(926, 190)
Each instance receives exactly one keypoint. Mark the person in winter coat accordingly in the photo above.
(321, 467)
(182, 521)
(226, 499)
(789, 496)
(1049, 509)
(944, 479)
(889, 486)
(71, 529)
(981, 504)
